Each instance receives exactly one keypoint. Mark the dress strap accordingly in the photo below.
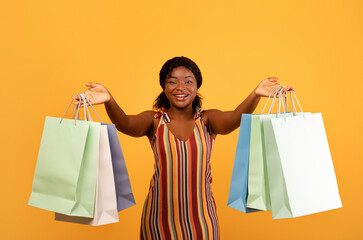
(162, 112)
(198, 112)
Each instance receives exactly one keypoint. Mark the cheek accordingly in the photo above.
(168, 89)
(194, 91)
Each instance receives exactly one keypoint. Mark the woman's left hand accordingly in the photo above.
(267, 86)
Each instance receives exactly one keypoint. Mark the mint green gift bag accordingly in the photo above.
(258, 188)
(258, 182)
(258, 192)
(65, 176)
(280, 205)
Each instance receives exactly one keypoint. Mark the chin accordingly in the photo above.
(182, 106)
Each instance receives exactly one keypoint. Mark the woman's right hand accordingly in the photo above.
(96, 94)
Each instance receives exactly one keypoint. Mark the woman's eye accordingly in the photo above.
(189, 82)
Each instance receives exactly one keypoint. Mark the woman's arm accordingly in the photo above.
(133, 125)
(225, 122)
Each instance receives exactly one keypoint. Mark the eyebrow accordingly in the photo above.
(184, 77)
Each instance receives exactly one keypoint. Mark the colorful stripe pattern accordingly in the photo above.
(180, 204)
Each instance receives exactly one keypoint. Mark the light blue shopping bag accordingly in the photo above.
(238, 190)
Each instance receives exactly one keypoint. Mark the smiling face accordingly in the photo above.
(181, 87)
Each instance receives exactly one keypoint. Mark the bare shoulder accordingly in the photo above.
(209, 113)
(206, 116)
(145, 117)
(155, 121)
(149, 116)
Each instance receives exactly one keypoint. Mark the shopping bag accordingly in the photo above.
(105, 202)
(258, 191)
(238, 191)
(306, 164)
(301, 174)
(66, 170)
(277, 188)
(124, 195)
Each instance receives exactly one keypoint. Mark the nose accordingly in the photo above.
(180, 86)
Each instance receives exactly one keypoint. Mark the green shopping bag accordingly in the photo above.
(66, 171)
(280, 205)
(258, 184)
(258, 188)
(258, 191)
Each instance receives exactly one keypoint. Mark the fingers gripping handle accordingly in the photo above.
(273, 101)
(278, 93)
(87, 115)
(87, 101)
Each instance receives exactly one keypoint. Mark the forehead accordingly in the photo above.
(181, 72)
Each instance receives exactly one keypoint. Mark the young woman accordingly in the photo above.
(180, 204)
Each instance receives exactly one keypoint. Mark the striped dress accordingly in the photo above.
(180, 204)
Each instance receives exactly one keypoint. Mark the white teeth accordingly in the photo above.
(180, 95)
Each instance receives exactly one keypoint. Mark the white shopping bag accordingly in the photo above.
(306, 163)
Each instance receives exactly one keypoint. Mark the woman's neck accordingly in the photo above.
(181, 114)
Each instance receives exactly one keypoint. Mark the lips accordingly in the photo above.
(181, 97)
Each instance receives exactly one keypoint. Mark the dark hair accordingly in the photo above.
(162, 100)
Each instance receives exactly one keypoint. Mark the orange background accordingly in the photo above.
(49, 49)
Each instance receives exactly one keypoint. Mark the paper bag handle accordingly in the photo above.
(273, 101)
